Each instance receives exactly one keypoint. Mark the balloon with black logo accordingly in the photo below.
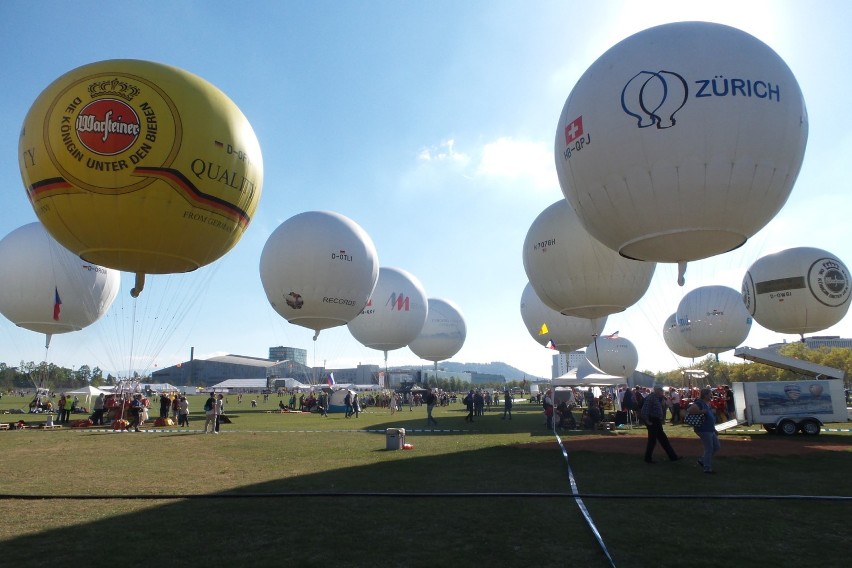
(613, 355)
(318, 269)
(798, 290)
(681, 142)
(576, 275)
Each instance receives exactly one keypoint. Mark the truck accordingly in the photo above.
(788, 407)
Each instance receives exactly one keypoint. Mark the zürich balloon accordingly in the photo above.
(443, 334)
(318, 269)
(394, 314)
(140, 166)
(613, 355)
(575, 274)
(681, 141)
(47, 289)
(677, 344)
(798, 290)
(713, 319)
(546, 325)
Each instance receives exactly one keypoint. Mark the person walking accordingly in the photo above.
(219, 409)
(707, 429)
(356, 405)
(507, 405)
(210, 413)
(431, 401)
(652, 415)
(183, 412)
(468, 402)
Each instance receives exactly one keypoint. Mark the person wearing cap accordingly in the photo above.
(652, 416)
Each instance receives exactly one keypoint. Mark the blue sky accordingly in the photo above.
(431, 125)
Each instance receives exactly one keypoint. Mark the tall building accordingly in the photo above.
(289, 354)
(564, 361)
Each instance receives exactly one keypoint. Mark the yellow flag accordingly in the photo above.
(543, 330)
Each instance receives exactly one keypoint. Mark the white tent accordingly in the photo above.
(88, 391)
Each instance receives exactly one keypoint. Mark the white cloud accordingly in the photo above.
(444, 152)
(519, 160)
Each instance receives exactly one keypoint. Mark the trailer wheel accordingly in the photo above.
(809, 427)
(770, 428)
(787, 427)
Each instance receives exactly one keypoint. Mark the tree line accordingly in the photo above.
(721, 373)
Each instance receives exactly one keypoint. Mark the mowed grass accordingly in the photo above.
(300, 489)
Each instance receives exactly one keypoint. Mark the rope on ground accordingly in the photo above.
(579, 500)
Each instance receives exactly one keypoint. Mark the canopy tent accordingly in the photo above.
(587, 375)
(88, 391)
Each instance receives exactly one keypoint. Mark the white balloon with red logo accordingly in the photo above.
(798, 290)
(394, 314)
(681, 141)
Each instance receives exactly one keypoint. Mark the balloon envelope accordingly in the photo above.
(394, 314)
(713, 318)
(47, 289)
(798, 290)
(677, 343)
(318, 269)
(140, 166)
(443, 334)
(552, 329)
(576, 275)
(613, 355)
(681, 141)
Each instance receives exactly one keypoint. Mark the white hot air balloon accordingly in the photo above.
(318, 269)
(47, 289)
(798, 290)
(395, 313)
(553, 330)
(443, 334)
(576, 275)
(681, 142)
(713, 318)
(675, 341)
(613, 355)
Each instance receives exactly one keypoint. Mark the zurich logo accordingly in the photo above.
(654, 98)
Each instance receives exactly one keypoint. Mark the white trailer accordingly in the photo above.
(787, 407)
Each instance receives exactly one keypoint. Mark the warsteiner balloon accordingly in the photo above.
(681, 141)
(140, 166)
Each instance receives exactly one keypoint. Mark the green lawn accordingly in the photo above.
(311, 491)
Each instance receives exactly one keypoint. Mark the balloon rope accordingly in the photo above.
(132, 339)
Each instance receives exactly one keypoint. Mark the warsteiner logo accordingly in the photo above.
(107, 126)
(828, 280)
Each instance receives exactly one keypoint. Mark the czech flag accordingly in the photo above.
(57, 304)
(551, 345)
(330, 379)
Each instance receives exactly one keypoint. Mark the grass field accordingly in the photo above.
(299, 489)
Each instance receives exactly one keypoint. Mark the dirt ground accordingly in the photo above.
(732, 444)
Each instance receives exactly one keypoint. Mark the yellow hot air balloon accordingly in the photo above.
(140, 167)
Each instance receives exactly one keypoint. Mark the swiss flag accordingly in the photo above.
(574, 129)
